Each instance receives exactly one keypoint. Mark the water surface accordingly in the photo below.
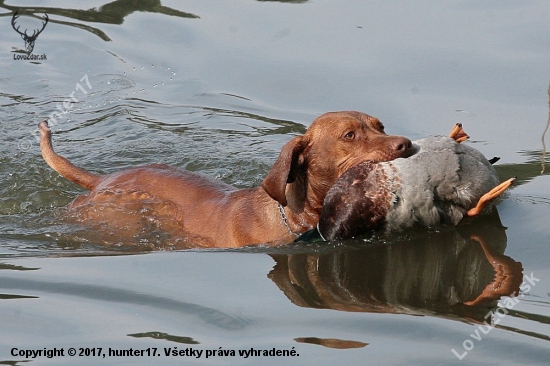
(219, 87)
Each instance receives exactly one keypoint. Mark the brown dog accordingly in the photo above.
(216, 214)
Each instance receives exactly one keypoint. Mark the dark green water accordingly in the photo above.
(218, 87)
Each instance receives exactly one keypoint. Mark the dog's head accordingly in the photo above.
(310, 164)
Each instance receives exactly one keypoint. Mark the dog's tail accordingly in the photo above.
(62, 165)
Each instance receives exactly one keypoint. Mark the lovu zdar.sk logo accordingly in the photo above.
(29, 39)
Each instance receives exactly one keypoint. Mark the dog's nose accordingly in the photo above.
(402, 145)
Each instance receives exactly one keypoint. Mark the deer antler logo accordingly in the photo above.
(29, 40)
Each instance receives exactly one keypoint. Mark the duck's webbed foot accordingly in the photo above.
(458, 133)
(489, 196)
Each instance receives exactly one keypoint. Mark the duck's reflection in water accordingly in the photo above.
(460, 271)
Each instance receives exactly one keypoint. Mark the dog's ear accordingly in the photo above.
(285, 169)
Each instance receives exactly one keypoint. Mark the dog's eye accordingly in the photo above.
(349, 136)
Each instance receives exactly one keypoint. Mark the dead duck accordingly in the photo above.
(441, 183)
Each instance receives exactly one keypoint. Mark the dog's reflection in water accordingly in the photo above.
(458, 271)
